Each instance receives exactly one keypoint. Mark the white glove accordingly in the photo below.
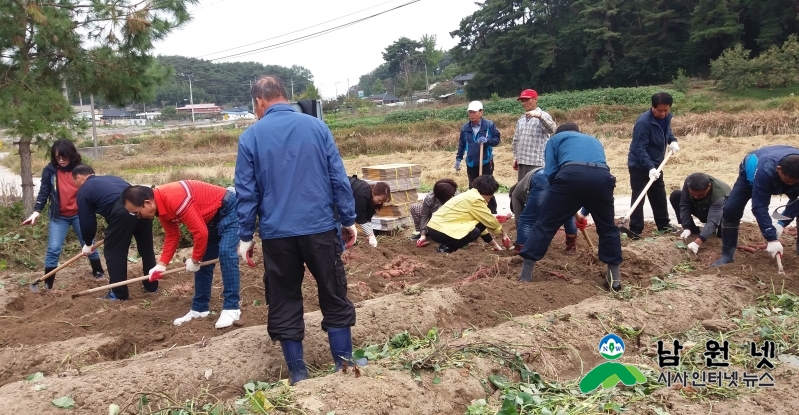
(349, 233)
(694, 247)
(685, 234)
(654, 174)
(191, 266)
(535, 113)
(31, 219)
(779, 230)
(674, 147)
(245, 250)
(373, 241)
(87, 250)
(157, 268)
(774, 248)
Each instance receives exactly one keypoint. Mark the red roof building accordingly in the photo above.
(201, 109)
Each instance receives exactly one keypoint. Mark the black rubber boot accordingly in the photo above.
(97, 269)
(293, 353)
(571, 244)
(527, 270)
(51, 279)
(729, 242)
(613, 278)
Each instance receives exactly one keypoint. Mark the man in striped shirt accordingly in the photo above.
(532, 132)
(209, 213)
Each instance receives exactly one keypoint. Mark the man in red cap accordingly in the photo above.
(532, 132)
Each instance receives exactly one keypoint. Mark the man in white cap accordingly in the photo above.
(475, 134)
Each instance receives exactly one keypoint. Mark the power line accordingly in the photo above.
(312, 35)
(295, 31)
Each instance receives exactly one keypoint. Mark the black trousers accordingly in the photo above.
(473, 172)
(122, 228)
(285, 260)
(657, 200)
(674, 199)
(456, 244)
(573, 187)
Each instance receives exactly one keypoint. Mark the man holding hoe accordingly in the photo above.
(209, 213)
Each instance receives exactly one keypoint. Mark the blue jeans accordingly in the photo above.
(57, 233)
(223, 243)
(539, 187)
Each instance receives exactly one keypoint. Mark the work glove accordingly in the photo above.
(349, 233)
(693, 247)
(373, 241)
(31, 219)
(506, 242)
(515, 165)
(674, 147)
(457, 165)
(779, 228)
(422, 242)
(654, 174)
(155, 273)
(87, 250)
(774, 248)
(482, 140)
(191, 266)
(686, 233)
(534, 113)
(581, 222)
(245, 250)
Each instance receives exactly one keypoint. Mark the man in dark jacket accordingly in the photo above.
(478, 131)
(368, 200)
(290, 175)
(767, 171)
(103, 195)
(702, 196)
(652, 137)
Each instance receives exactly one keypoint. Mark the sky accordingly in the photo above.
(333, 58)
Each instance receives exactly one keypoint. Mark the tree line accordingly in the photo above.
(554, 45)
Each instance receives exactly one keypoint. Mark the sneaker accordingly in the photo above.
(99, 275)
(442, 249)
(227, 317)
(191, 315)
(668, 229)
(110, 296)
(144, 290)
(415, 236)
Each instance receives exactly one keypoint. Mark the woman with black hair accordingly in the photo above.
(421, 212)
(466, 217)
(59, 188)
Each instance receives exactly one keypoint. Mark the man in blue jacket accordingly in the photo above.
(290, 175)
(474, 133)
(767, 171)
(102, 195)
(652, 137)
(579, 176)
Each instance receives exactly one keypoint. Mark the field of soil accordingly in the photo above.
(101, 353)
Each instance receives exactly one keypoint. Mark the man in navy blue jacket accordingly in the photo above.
(289, 174)
(652, 137)
(579, 176)
(474, 133)
(103, 195)
(767, 171)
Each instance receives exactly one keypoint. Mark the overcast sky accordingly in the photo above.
(350, 52)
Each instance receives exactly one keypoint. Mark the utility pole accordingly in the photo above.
(292, 88)
(425, 77)
(348, 87)
(94, 128)
(191, 95)
(253, 99)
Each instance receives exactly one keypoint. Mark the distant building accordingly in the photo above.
(462, 80)
(115, 114)
(200, 109)
(237, 114)
(384, 98)
(148, 115)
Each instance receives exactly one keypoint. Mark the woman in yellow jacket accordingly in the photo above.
(466, 217)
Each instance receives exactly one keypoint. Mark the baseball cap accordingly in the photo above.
(528, 93)
(475, 106)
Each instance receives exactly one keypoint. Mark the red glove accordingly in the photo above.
(155, 276)
(581, 223)
(506, 242)
(421, 243)
(515, 165)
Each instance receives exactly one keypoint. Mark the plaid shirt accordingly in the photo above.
(531, 137)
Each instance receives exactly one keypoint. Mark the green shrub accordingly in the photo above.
(681, 83)
(409, 116)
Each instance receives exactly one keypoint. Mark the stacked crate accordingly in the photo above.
(404, 181)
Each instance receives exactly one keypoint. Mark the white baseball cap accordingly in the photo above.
(475, 106)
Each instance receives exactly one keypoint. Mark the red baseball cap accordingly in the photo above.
(528, 93)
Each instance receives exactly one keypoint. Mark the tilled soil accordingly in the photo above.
(472, 288)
